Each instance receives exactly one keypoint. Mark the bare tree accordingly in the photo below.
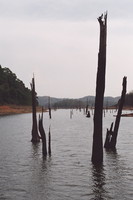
(43, 135)
(49, 107)
(49, 142)
(97, 149)
(111, 136)
(35, 136)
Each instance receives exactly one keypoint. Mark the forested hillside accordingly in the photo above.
(74, 103)
(129, 99)
(13, 90)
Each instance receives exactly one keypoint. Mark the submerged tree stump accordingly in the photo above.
(49, 142)
(108, 137)
(86, 109)
(49, 108)
(110, 142)
(43, 135)
(97, 148)
(35, 135)
(88, 114)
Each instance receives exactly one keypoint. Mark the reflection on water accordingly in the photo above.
(99, 179)
(109, 181)
(35, 149)
(68, 174)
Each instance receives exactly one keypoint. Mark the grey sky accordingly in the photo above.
(58, 41)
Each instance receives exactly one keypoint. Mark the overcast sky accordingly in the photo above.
(58, 41)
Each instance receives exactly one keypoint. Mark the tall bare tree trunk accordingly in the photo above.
(35, 136)
(97, 149)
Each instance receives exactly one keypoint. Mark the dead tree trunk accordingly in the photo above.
(43, 135)
(117, 122)
(49, 143)
(97, 149)
(111, 144)
(88, 114)
(108, 137)
(87, 107)
(49, 108)
(35, 136)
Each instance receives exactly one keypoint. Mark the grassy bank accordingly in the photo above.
(15, 109)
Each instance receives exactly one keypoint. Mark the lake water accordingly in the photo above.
(68, 174)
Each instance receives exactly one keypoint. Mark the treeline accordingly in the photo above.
(68, 103)
(129, 99)
(75, 103)
(13, 90)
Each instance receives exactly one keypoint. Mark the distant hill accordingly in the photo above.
(108, 101)
(71, 103)
(44, 100)
(13, 90)
(129, 99)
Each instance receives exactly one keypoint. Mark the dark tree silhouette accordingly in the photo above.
(88, 114)
(35, 135)
(129, 99)
(108, 136)
(13, 90)
(97, 149)
(43, 135)
(49, 108)
(111, 137)
(49, 143)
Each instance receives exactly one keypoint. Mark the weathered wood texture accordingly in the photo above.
(97, 148)
(49, 108)
(111, 137)
(35, 136)
(108, 136)
(49, 143)
(43, 135)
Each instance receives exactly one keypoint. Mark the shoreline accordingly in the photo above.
(17, 109)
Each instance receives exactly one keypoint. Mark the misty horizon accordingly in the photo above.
(58, 41)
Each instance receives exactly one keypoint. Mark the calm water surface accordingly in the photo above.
(68, 174)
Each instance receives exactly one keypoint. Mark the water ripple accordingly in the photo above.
(68, 174)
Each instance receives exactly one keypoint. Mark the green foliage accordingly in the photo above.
(13, 90)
